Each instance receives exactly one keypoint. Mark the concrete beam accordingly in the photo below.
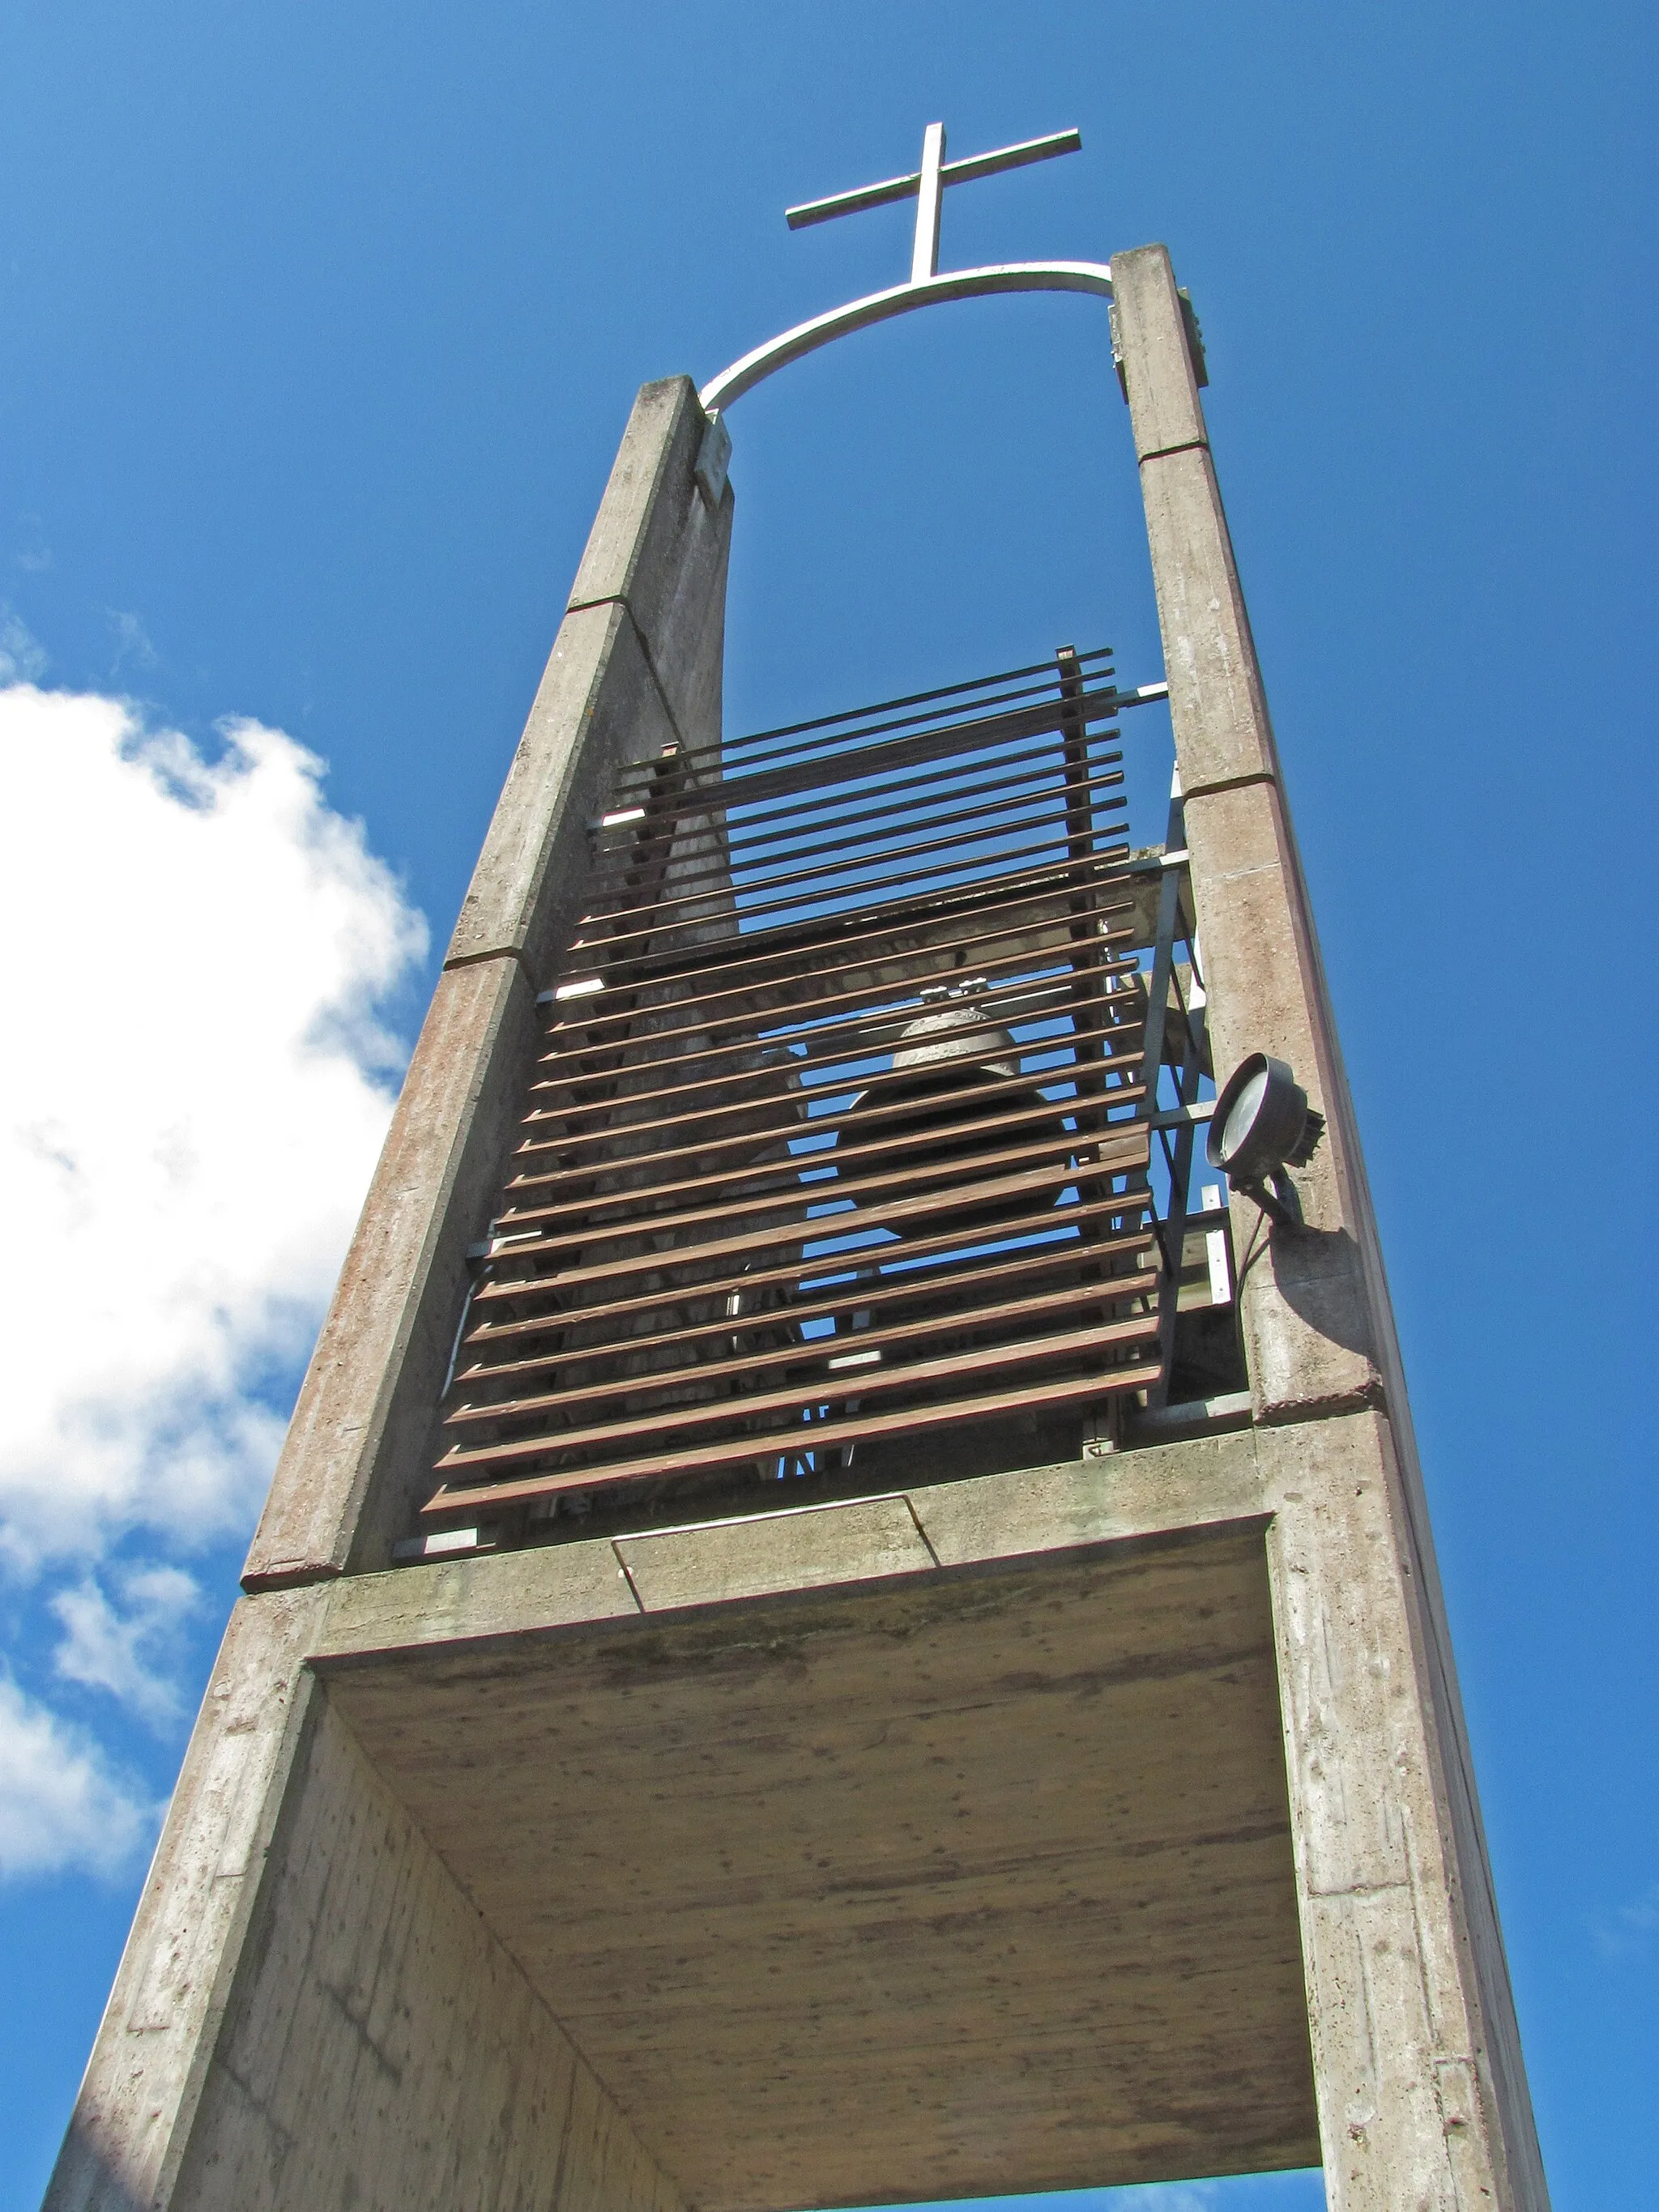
(597, 709)
(1202, 1483)
(658, 549)
(855, 1876)
(1423, 2096)
(356, 1456)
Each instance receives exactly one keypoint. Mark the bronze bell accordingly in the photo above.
(946, 1055)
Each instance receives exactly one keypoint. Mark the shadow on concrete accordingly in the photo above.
(1318, 1272)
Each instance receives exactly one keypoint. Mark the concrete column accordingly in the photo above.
(311, 2016)
(635, 667)
(1422, 2095)
(309, 2013)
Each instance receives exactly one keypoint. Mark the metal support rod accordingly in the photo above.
(1179, 1158)
(924, 255)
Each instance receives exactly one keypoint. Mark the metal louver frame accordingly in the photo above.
(839, 1131)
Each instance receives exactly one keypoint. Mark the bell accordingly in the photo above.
(944, 1055)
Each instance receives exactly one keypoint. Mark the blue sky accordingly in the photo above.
(318, 330)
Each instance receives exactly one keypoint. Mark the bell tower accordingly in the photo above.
(848, 1614)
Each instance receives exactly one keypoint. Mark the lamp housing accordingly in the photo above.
(1261, 1124)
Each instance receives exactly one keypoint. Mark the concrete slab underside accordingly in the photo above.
(950, 1886)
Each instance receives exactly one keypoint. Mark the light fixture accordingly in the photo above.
(1262, 1124)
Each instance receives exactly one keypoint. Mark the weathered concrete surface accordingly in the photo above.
(772, 1552)
(1321, 1341)
(597, 708)
(451, 1602)
(1415, 2053)
(936, 1882)
(1309, 1326)
(1202, 1483)
(696, 1849)
(310, 2015)
(635, 667)
(1308, 1321)
(658, 549)
(1206, 1482)
(366, 1406)
(143, 2084)
(382, 2049)
(1089, 1969)
(1416, 2057)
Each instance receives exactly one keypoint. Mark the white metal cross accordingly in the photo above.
(923, 288)
(927, 186)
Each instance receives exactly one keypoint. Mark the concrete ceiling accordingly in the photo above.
(938, 1887)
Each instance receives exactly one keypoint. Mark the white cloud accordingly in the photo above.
(1631, 1929)
(1166, 2197)
(197, 1090)
(129, 1651)
(131, 641)
(23, 658)
(60, 1805)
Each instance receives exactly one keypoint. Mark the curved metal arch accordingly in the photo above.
(743, 376)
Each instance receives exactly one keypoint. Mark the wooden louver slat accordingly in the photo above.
(817, 1157)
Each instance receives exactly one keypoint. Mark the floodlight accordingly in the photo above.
(1262, 1124)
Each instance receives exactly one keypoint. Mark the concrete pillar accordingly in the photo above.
(309, 2013)
(1422, 2095)
(635, 666)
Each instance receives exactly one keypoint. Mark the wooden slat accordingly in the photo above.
(790, 1103)
(839, 1156)
(1065, 876)
(934, 1186)
(860, 850)
(809, 1351)
(1028, 987)
(1030, 888)
(747, 1015)
(825, 731)
(862, 1382)
(897, 802)
(982, 734)
(870, 890)
(860, 1296)
(816, 1436)
(780, 1081)
(747, 1174)
(1053, 1219)
(649, 1111)
(823, 1229)
(749, 837)
(793, 1124)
